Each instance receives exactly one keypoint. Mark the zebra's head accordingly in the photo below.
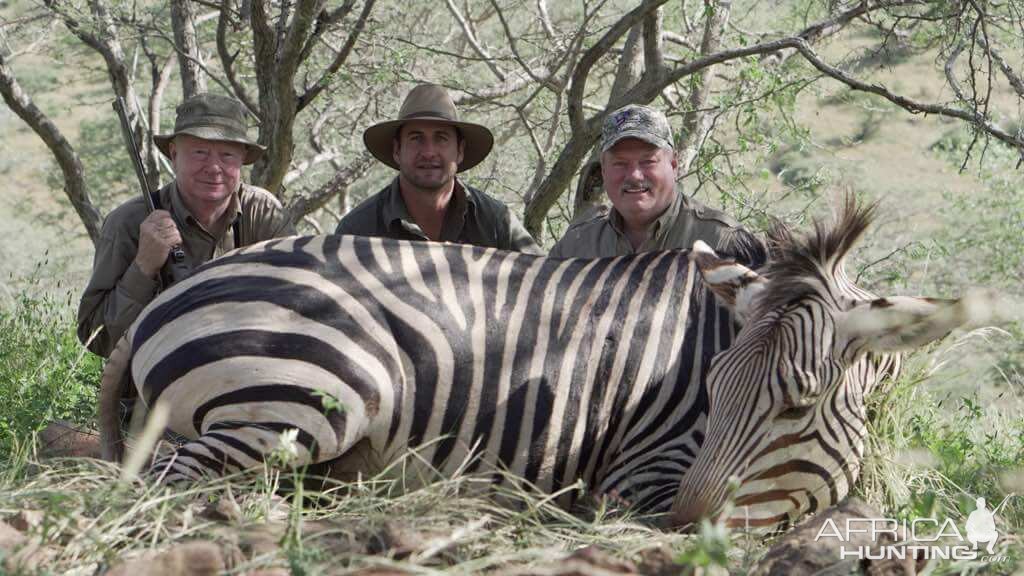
(786, 411)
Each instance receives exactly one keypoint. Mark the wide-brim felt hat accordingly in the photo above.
(429, 103)
(211, 117)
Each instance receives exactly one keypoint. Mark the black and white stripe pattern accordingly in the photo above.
(556, 369)
(624, 372)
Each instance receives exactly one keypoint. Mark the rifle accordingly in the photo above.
(174, 269)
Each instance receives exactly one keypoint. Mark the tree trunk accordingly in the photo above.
(277, 54)
(697, 122)
(590, 186)
(183, 20)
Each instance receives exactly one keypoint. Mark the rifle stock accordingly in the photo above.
(174, 268)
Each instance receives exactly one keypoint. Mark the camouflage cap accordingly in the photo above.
(633, 121)
(211, 117)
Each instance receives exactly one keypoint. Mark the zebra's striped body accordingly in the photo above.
(608, 370)
(559, 369)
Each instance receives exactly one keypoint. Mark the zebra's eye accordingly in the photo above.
(795, 412)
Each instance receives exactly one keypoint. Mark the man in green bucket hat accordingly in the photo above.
(206, 210)
(429, 145)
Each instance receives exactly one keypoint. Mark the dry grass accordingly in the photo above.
(462, 525)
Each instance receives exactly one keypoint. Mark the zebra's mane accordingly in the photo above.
(800, 264)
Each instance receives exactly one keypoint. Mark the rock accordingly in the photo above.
(261, 540)
(394, 541)
(20, 553)
(196, 558)
(225, 509)
(796, 553)
(598, 558)
(61, 439)
(589, 561)
(658, 561)
(26, 520)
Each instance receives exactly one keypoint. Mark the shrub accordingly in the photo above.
(45, 373)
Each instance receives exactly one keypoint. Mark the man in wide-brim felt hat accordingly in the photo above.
(429, 145)
(206, 210)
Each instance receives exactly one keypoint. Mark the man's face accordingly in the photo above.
(207, 171)
(639, 179)
(428, 154)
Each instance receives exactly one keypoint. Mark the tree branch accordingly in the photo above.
(339, 59)
(473, 42)
(697, 122)
(586, 62)
(70, 164)
(979, 121)
(306, 203)
(227, 60)
(190, 56)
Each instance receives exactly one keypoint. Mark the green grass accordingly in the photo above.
(931, 453)
(45, 373)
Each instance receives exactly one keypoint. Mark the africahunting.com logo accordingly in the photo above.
(924, 538)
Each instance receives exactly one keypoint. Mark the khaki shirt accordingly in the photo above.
(118, 290)
(684, 222)
(472, 217)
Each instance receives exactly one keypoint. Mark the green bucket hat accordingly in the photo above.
(211, 117)
(432, 103)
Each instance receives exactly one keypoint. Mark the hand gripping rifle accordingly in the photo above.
(174, 269)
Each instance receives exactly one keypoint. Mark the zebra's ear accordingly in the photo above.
(902, 322)
(735, 285)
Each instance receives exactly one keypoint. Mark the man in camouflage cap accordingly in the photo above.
(638, 166)
(206, 210)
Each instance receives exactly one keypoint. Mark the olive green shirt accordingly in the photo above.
(472, 217)
(684, 222)
(118, 290)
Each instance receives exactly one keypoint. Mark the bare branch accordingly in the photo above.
(977, 120)
(1011, 76)
(227, 60)
(674, 38)
(155, 99)
(339, 59)
(70, 165)
(654, 56)
(325, 21)
(515, 51)
(471, 38)
(696, 123)
(586, 62)
(294, 40)
(545, 20)
(950, 73)
(304, 204)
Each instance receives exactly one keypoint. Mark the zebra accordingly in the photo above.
(656, 377)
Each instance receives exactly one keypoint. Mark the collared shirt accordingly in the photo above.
(684, 222)
(118, 290)
(472, 217)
